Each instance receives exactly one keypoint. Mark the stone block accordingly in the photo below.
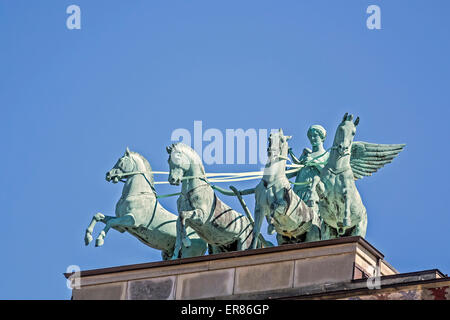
(205, 284)
(289, 255)
(145, 273)
(110, 291)
(152, 289)
(321, 270)
(264, 277)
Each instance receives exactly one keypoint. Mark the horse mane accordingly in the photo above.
(184, 148)
(148, 168)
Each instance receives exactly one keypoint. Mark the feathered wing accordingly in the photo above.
(366, 158)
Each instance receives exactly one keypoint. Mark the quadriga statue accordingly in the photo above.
(139, 212)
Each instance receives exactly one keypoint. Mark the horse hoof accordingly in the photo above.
(99, 216)
(87, 238)
(99, 242)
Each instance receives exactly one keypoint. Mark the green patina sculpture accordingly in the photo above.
(221, 227)
(340, 205)
(323, 204)
(139, 212)
(285, 211)
(313, 160)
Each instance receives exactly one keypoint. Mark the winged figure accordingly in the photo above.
(340, 205)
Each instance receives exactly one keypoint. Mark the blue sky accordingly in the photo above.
(72, 100)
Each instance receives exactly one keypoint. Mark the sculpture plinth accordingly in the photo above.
(338, 268)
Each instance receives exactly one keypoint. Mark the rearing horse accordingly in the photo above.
(139, 212)
(285, 211)
(199, 207)
(340, 204)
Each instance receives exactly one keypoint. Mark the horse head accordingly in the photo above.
(129, 164)
(278, 145)
(183, 160)
(345, 134)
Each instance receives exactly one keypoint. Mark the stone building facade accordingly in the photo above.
(346, 268)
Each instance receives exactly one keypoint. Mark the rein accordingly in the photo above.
(311, 163)
(337, 172)
(342, 170)
(135, 173)
(231, 178)
(340, 156)
(151, 186)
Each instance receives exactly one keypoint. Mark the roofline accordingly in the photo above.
(226, 255)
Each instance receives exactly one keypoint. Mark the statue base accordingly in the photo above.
(344, 268)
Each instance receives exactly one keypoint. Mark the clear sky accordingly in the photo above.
(72, 100)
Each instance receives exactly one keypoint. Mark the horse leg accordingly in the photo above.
(313, 234)
(327, 232)
(165, 255)
(198, 248)
(99, 217)
(212, 249)
(185, 215)
(124, 221)
(177, 249)
(360, 228)
(257, 226)
(281, 240)
(182, 238)
(278, 203)
(88, 235)
(269, 206)
(245, 239)
(347, 214)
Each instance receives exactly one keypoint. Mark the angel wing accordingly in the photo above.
(366, 158)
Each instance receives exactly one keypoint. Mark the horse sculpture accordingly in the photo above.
(340, 204)
(285, 211)
(199, 207)
(139, 212)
